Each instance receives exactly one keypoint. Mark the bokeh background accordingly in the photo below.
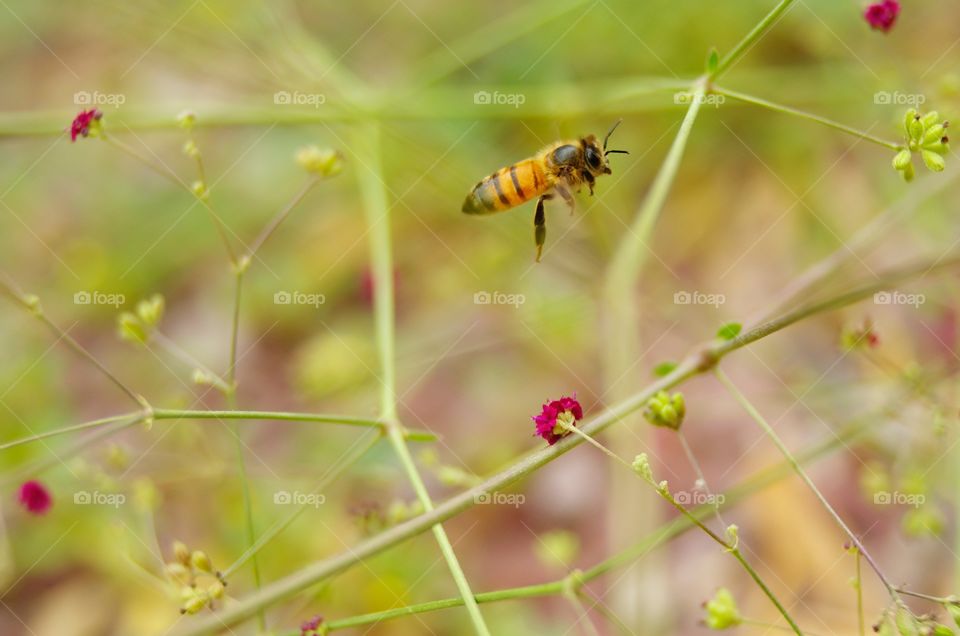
(760, 196)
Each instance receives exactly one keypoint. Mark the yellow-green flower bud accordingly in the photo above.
(215, 590)
(930, 119)
(201, 378)
(186, 119)
(199, 189)
(908, 173)
(190, 149)
(733, 535)
(178, 573)
(151, 309)
(641, 466)
(181, 552)
(722, 612)
(932, 160)
(908, 118)
(934, 134)
(130, 328)
(201, 561)
(195, 603)
(916, 131)
(902, 159)
(322, 162)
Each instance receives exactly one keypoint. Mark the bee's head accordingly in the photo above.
(595, 154)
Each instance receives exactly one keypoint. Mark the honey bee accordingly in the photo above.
(560, 167)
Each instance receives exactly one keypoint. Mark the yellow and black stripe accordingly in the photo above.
(507, 188)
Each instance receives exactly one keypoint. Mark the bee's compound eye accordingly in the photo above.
(593, 158)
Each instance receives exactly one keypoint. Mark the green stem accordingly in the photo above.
(71, 429)
(750, 39)
(757, 101)
(798, 469)
(927, 597)
(32, 305)
(378, 220)
(168, 174)
(620, 314)
(413, 435)
(249, 527)
(766, 590)
(341, 466)
(625, 267)
(859, 582)
(280, 217)
(731, 548)
(582, 615)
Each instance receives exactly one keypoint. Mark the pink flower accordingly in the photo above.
(882, 15)
(566, 409)
(82, 123)
(310, 627)
(35, 497)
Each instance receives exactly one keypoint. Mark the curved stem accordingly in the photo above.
(768, 430)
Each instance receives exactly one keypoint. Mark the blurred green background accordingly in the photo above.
(759, 197)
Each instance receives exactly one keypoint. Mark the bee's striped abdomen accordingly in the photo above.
(506, 188)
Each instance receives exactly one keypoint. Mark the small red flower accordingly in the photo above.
(566, 409)
(35, 497)
(310, 627)
(882, 15)
(82, 123)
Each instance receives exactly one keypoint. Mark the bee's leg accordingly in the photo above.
(590, 180)
(564, 193)
(540, 225)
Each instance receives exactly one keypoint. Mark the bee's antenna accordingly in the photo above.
(615, 152)
(610, 132)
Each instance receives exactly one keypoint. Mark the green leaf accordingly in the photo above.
(729, 331)
(664, 368)
(713, 61)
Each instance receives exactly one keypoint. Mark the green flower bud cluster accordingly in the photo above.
(666, 410)
(900, 621)
(185, 570)
(136, 326)
(926, 135)
(722, 611)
